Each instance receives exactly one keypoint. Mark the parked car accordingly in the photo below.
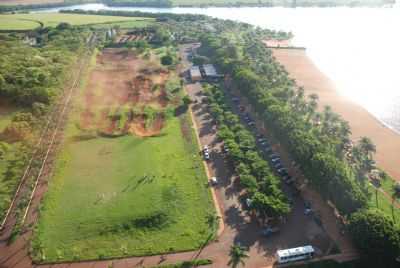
(290, 180)
(278, 165)
(206, 156)
(274, 156)
(270, 230)
(205, 149)
(241, 108)
(268, 149)
(308, 211)
(251, 123)
(276, 160)
(225, 149)
(282, 171)
(235, 99)
(214, 181)
(248, 202)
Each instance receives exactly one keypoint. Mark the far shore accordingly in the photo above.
(363, 123)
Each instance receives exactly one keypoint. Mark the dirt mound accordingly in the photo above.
(138, 126)
(120, 88)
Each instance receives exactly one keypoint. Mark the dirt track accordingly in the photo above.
(362, 123)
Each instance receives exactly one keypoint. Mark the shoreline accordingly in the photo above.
(362, 122)
(9, 6)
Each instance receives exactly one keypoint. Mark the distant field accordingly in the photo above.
(249, 2)
(31, 21)
(29, 2)
(123, 196)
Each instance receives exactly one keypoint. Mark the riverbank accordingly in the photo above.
(15, 5)
(301, 68)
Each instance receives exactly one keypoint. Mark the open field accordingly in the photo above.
(31, 21)
(30, 2)
(287, 3)
(127, 195)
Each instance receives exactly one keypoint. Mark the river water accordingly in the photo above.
(357, 48)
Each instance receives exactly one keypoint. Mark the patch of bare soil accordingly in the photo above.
(119, 88)
(139, 128)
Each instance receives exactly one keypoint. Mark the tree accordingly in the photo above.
(167, 59)
(237, 255)
(377, 237)
(395, 196)
(3, 149)
(367, 146)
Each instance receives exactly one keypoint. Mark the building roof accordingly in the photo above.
(209, 70)
(295, 251)
(195, 71)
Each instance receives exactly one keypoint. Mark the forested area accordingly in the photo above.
(31, 77)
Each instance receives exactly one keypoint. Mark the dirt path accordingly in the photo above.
(362, 123)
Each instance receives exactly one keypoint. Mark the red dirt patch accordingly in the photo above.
(120, 86)
(138, 126)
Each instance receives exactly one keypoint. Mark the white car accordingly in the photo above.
(214, 180)
(248, 202)
(206, 156)
(205, 149)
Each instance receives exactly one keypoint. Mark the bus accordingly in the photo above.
(294, 254)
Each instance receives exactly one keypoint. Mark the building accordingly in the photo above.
(210, 73)
(195, 74)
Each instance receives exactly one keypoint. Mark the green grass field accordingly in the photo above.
(126, 196)
(31, 21)
(384, 204)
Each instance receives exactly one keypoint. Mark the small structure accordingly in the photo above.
(210, 73)
(195, 74)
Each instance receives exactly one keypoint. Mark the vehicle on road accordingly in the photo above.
(206, 155)
(274, 156)
(214, 181)
(270, 231)
(282, 171)
(295, 254)
(205, 149)
(248, 202)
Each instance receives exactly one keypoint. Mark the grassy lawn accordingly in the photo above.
(384, 204)
(7, 22)
(125, 196)
(31, 21)
(139, 23)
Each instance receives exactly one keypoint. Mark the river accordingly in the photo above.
(358, 48)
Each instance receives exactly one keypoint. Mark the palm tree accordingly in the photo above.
(395, 196)
(237, 254)
(312, 105)
(367, 146)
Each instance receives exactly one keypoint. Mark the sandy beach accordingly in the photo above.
(301, 68)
